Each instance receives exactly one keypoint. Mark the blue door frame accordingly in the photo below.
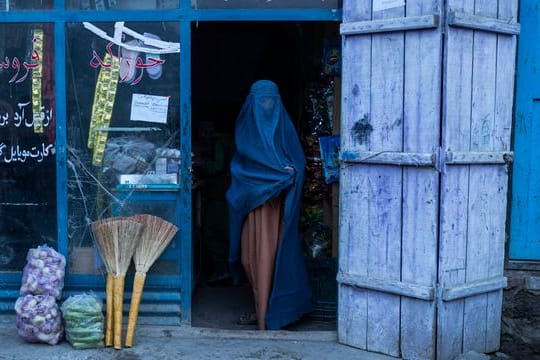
(185, 15)
(525, 212)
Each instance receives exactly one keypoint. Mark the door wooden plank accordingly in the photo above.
(422, 103)
(452, 252)
(506, 49)
(498, 181)
(356, 11)
(482, 200)
(419, 262)
(385, 185)
(384, 211)
(356, 85)
(352, 305)
(488, 210)
(457, 93)
(355, 125)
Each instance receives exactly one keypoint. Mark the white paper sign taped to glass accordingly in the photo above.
(379, 5)
(149, 108)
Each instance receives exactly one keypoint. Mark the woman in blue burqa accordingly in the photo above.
(267, 173)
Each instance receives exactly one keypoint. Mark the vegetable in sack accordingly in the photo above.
(44, 272)
(84, 321)
(39, 319)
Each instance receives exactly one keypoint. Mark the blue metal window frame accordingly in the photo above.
(185, 16)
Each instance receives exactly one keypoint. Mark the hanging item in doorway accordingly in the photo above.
(331, 62)
(319, 108)
(330, 157)
(155, 236)
(102, 108)
(37, 74)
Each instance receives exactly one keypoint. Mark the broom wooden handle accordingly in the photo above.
(138, 284)
(109, 289)
(118, 299)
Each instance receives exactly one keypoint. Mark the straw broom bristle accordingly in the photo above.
(104, 241)
(126, 233)
(156, 234)
(116, 239)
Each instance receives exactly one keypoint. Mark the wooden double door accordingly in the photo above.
(427, 111)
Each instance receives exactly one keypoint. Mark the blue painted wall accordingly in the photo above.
(525, 212)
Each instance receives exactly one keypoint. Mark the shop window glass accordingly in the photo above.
(27, 142)
(11, 5)
(123, 126)
(122, 4)
(265, 4)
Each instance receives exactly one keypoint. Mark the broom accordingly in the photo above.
(156, 234)
(127, 235)
(104, 241)
(122, 234)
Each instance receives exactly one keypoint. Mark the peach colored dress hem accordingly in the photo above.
(260, 239)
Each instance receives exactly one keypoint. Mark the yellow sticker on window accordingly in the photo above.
(102, 107)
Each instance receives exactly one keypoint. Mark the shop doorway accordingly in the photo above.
(303, 59)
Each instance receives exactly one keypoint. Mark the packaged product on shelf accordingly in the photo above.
(331, 60)
(44, 272)
(318, 240)
(315, 189)
(319, 108)
(83, 318)
(39, 319)
(129, 154)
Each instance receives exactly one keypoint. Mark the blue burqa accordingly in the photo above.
(269, 161)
